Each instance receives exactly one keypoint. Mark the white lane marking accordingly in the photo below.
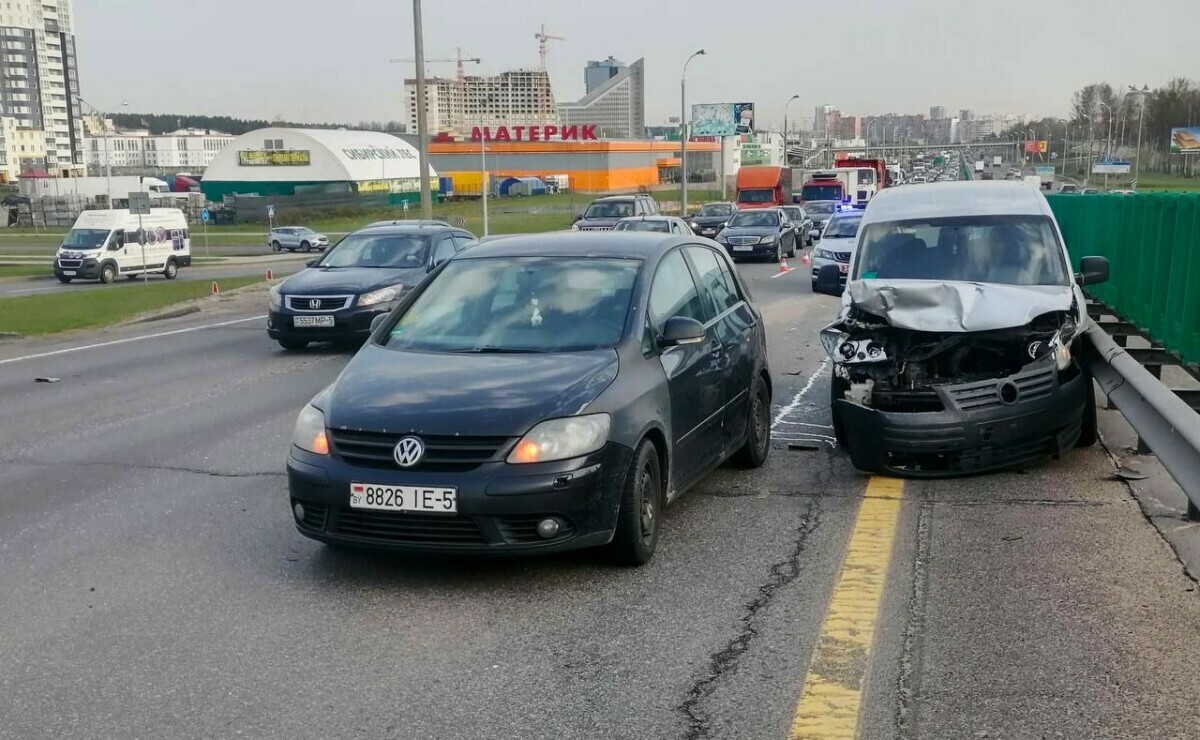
(799, 435)
(131, 339)
(796, 399)
(790, 269)
(28, 290)
(806, 424)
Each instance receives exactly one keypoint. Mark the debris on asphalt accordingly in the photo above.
(46, 380)
(1129, 472)
(802, 447)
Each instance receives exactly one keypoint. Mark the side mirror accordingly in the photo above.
(815, 233)
(578, 217)
(681, 330)
(375, 322)
(1092, 270)
(829, 280)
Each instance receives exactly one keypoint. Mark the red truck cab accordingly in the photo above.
(763, 187)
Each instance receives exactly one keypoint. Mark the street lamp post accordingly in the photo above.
(785, 128)
(422, 124)
(1137, 167)
(683, 135)
(1108, 136)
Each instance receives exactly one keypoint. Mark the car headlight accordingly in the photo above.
(309, 434)
(831, 339)
(276, 295)
(574, 227)
(1062, 356)
(825, 254)
(383, 295)
(561, 439)
(767, 240)
(694, 225)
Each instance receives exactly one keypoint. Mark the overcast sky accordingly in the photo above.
(317, 60)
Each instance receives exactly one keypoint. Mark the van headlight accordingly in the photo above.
(1062, 356)
(561, 439)
(383, 295)
(309, 434)
(276, 295)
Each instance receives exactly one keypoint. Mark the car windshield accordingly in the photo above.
(609, 209)
(821, 192)
(520, 304)
(754, 218)
(85, 238)
(378, 250)
(641, 225)
(842, 227)
(794, 214)
(715, 209)
(820, 208)
(1013, 250)
(764, 195)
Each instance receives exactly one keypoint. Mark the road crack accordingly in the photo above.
(139, 466)
(725, 661)
(909, 681)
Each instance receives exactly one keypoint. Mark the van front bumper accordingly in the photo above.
(86, 269)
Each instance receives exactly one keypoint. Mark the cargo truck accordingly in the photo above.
(763, 186)
(997, 161)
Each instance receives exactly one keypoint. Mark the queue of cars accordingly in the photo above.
(541, 393)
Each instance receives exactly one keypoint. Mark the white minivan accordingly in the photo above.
(104, 244)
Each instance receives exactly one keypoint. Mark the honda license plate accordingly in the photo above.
(428, 499)
(323, 321)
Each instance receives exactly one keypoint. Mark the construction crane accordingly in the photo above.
(542, 38)
(459, 59)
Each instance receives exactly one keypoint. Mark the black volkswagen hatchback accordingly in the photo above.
(537, 394)
(362, 277)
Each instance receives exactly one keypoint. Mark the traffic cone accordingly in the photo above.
(270, 275)
(783, 263)
(215, 290)
(806, 260)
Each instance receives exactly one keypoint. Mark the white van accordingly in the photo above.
(104, 244)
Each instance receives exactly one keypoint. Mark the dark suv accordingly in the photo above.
(361, 277)
(603, 214)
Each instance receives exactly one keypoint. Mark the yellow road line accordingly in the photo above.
(829, 706)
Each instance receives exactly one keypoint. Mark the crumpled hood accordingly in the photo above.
(928, 305)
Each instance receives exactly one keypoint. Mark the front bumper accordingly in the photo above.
(975, 432)
(499, 504)
(752, 251)
(348, 323)
(85, 269)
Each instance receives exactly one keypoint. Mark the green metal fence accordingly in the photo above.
(1152, 242)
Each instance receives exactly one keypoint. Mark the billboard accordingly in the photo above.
(1036, 147)
(1185, 140)
(274, 157)
(1111, 167)
(722, 119)
(753, 153)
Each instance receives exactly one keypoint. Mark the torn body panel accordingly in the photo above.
(986, 380)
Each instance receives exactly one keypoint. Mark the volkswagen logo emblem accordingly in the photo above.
(314, 303)
(408, 452)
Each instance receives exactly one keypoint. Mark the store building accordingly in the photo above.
(591, 166)
(292, 161)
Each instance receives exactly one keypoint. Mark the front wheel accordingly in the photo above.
(306, 247)
(639, 520)
(108, 273)
(754, 452)
(171, 271)
(276, 247)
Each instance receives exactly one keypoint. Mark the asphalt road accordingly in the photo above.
(154, 586)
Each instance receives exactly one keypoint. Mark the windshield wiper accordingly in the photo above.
(493, 349)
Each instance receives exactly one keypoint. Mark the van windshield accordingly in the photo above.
(1012, 250)
(85, 238)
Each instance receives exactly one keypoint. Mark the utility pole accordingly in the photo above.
(422, 124)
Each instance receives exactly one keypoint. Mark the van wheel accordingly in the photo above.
(171, 271)
(108, 273)
(276, 247)
(64, 279)
(1088, 434)
(639, 520)
(293, 344)
(306, 246)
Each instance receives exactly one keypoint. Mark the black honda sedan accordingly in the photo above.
(364, 276)
(539, 393)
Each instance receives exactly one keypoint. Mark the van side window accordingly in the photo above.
(118, 238)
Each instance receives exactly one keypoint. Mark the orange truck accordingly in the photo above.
(763, 186)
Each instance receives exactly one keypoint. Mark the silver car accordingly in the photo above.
(293, 238)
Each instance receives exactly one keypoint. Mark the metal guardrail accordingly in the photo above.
(1167, 425)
